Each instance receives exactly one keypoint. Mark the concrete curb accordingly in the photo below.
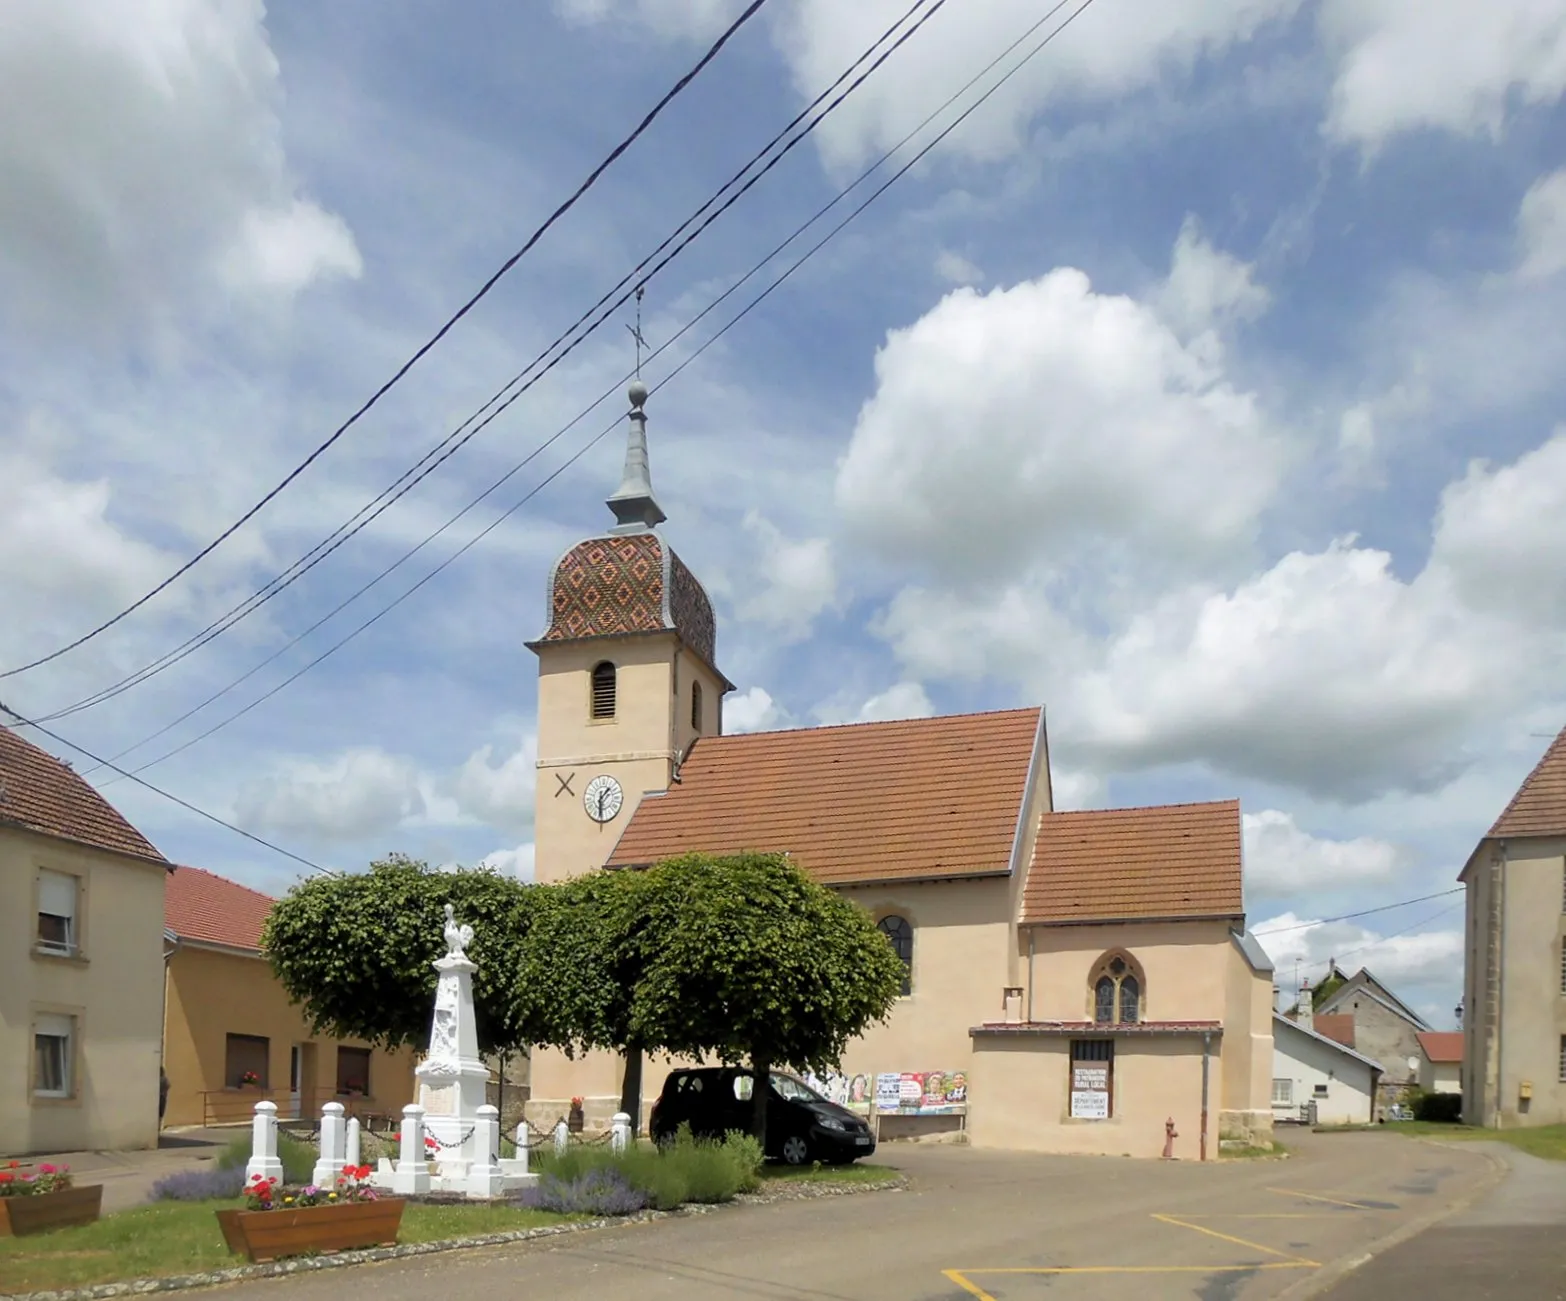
(1335, 1271)
(338, 1260)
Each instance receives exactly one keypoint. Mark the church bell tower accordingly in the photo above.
(627, 674)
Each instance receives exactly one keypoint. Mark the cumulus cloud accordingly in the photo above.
(901, 700)
(144, 161)
(797, 580)
(1073, 789)
(1207, 288)
(1281, 858)
(360, 793)
(498, 794)
(753, 710)
(1448, 65)
(956, 269)
(1012, 425)
(1541, 227)
(517, 862)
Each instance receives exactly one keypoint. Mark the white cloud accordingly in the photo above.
(1028, 421)
(671, 19)
(1073, 789)
(516, 862)
(797, 580)
(499, 795)
(1207, 288)
(957, 269)
(359, 794)
(902, 700)
(1281, 858)
(753, 710)
(167, 179)
(1444, 64)
(1541, 227)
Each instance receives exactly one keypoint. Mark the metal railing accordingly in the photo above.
(237, 1106)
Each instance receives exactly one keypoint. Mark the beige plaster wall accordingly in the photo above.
(1021, 1088)
(1440, 1077)
(1532, 1006)
(213, 994)
(114, 989)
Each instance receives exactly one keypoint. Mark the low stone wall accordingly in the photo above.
(1245, 1129)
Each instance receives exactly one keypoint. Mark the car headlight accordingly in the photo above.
(830, 1122)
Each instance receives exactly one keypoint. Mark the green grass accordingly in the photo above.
(816, 1173)
(1547, 1141)
(183, 1238)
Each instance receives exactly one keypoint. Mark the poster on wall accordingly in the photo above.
(888, 1091)
(922, 1093)
(1090, 1104)
(851, 1091)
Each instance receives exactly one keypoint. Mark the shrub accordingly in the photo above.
(748, 1156)
(206, 1184)
(1443, 1108)
(297, 1156)
(603, 1190)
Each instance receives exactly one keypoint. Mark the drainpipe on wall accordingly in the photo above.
(1500, 986)
(1207, 1053)
(1032, 931)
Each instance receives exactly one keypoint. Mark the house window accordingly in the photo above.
(245, 1062)
(695, 706)
(58, 899)
(353, 1071)
(1117, 992)
(603, 690)
(1283, 1093)
(54, 1055)
(1320, 1091)
(900, 934)
(1092, 1082)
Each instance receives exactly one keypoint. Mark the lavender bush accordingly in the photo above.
(599, 1191)
(201, 1185)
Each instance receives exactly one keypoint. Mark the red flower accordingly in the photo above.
(47, 1169)
(6, 1177)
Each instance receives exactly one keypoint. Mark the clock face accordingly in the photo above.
(602, 798)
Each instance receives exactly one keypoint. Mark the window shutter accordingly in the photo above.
(57, 894)
(53, 1024)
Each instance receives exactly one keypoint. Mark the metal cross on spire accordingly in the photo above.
(636, 330)
(634, 506)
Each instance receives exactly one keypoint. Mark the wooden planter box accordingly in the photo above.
(36, 1212)
(268, 1235)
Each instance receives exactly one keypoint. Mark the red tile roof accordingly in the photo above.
(910, 800)
(1339, 1027)
(210, 909)
(1175, 860)
(1539, 807)
(1442, 1045)
(42, 794)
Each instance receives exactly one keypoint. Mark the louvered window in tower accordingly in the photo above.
(603, 690)
(695, 706)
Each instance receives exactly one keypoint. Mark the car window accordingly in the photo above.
(744, 1086)
(786, 1086)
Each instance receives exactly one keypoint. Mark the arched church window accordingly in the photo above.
(1117, 991)
(603, 690)
(695, 706)
(900, 935)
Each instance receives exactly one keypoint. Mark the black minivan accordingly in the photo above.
(802, 1126)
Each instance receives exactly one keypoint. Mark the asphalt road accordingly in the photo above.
(982, 1224)
(1511, 1243)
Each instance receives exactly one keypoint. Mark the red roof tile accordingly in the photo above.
(1339, 1027)
(1175, 860)
(39, 792)
(910, 800)
(1539, 807)
(1442, 1045)
(211, 909)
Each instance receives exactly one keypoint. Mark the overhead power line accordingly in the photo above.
(158, 790)
(1366, 912)
(592, 178)
(755, 302)
(479, 420)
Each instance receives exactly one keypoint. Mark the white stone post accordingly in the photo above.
(562, 1138)
(351, 1149)
(524, 1138)
(484, 1177)
(329, 1169)
(620, 1132)
(263, 1145)
(412, 1175)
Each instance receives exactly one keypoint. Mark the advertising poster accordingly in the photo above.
(922, 1093)
(851, 1091)
(888, 1090)
(1091, 1104)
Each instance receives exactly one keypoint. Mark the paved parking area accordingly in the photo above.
(981, 1224)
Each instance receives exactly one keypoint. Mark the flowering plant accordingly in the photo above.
(576, 1104)
(249, 1077)
(17, 1180)
(352, 1186)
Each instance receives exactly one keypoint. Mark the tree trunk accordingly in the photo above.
(631, 1088)
(761, 1068)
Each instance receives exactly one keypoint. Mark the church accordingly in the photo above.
(1083, 977)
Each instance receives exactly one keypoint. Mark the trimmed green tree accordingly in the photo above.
(744, 957)
(355, 951)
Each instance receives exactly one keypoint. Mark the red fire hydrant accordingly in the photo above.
(1169, 1138)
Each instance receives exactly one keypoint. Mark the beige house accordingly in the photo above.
(1378, 1024)
(1441, 1061)
(1087, 975)
(1514, 984)
(231, 1038)
(81, 963)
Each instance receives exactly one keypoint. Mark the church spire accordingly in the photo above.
(634, 506)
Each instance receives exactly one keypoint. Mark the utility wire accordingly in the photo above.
(902, 171)
(158, 790)
(467, 430)
(1386, 907)
(1375, 944)
(614, 154)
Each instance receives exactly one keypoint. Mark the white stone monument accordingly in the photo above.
(452, 1126)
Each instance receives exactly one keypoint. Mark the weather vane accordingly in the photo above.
(636, 330)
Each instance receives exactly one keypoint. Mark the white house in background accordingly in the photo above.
(1309, 1067)
(1441, 1061)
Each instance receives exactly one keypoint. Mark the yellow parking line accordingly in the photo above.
(1320, 1197)
(1239, 1242)
(960, 1276)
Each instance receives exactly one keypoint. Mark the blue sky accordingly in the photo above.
(1203, 386)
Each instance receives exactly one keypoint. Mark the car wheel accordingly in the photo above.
(796, 1151)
